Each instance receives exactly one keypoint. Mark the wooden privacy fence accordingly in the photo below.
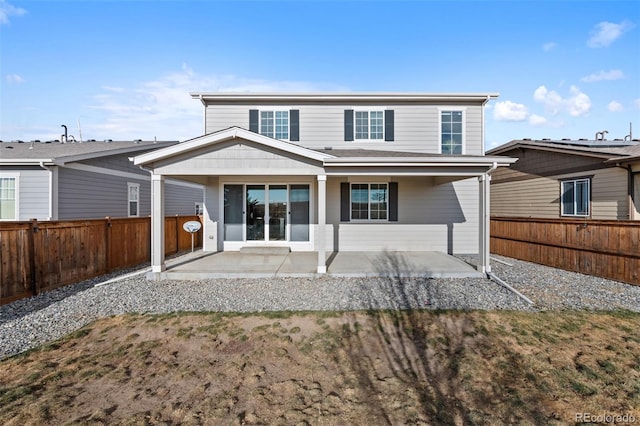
(39, 256)
(609, 249)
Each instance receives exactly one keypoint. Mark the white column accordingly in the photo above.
(157, 223)
(484, 224)
(322, 219)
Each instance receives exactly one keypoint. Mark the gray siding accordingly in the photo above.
(417, 127)
(181, 199)
(119, 163)
(86, 195)
(432, 216)
(535, 196)
(33, 192)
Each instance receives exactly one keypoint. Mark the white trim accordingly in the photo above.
(211, 97)
(368, 111)
(274, 109)
(129, 200)
(575, 181)
(16, 190)
(294, 245)
(368, 220)
(463, 110)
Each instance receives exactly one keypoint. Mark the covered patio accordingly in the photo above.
(349, 212)
(272, 263)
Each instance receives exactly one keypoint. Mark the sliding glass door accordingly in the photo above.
(268, 213)
(278, 212)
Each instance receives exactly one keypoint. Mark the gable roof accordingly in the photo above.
(231, 133)
(607, 150)
(57, 153)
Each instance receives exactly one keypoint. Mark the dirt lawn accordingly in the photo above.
(362, 368)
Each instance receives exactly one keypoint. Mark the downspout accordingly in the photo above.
(490, 274)
(631, 192)
(51, 188)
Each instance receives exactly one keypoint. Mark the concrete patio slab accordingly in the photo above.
(201, 265)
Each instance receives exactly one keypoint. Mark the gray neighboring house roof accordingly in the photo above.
(57, 153)
(610, 150)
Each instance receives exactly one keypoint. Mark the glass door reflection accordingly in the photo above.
(256, 210)
(277, 212)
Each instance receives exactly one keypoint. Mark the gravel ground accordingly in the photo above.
(28, 323)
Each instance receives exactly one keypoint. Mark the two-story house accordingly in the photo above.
(330, 172)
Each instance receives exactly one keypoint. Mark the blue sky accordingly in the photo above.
(123, 69)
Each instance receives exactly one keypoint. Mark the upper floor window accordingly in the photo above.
(274, 124)
(283, 124)
(369, 124)
(134, 199)
(8, 198)
(576, 197)
(451, 132)
(363, 124)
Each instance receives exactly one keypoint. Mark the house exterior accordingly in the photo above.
(84, 180)
(592, 179)
(330, 172)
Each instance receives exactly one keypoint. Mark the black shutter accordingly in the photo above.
(393, 201)
(345, 202)
(294, 125)
(253, 120)
(388, 125)
(348, 124)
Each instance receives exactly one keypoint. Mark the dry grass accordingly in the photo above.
(411, 367)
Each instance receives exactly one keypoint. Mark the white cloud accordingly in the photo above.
(615, 106)
(510, 111)
(636, 102)
(113, 89)
(163, 107)
(7, 10)
(576, 104)
(605, 33)
(549, 46)
(537, 120)
(14, 78)
(603, 75)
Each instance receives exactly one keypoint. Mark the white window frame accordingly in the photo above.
(574, 182)
(129, 200)
(198, 208)
(368, 219)
(355, 126)
(464, 126)
(275, 111)
(16, 178)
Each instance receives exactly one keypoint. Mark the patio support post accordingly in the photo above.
(322, 219)
(484, 222)
(157, 223)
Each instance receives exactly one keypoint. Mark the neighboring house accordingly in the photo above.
(83, 180)
(331, 172)
(595, 179)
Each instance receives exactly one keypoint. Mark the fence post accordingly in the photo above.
(32, 255)
(177, 235)
(107, 239)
